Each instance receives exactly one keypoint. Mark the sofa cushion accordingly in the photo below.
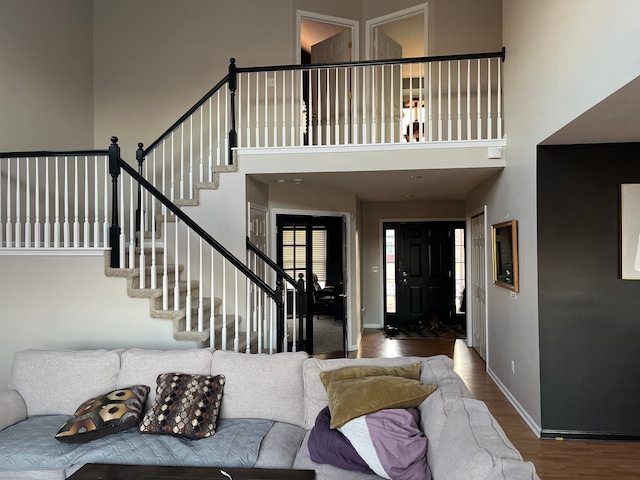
(510, 469)
(391, 443)
(354, 397)
(471, 429)
(315, 394)
(143, 366)
(328, 445)
(109, 413)
(345, 373)
(56, 382)
(185, 406)
(12, 408)
(261, 385)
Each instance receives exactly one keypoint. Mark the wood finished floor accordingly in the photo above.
(554, 459)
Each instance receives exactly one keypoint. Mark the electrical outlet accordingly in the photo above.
(513, 367)
(271, 82)
(514, 295)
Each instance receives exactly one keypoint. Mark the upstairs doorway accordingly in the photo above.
(424, 271)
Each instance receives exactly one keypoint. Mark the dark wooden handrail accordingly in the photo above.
(363, 63)
(199, 230)
(53, 153)
(279, 270)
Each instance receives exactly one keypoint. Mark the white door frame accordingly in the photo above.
(399, 15)
(354, 25)
(350, 290)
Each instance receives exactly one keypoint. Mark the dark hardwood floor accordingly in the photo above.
(554, 459)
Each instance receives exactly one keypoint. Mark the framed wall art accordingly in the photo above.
(630, 226)
(504, 238)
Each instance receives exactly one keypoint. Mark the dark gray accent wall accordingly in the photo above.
(589, 317)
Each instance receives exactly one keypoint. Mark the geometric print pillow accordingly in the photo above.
(109, 413)
(185, 406)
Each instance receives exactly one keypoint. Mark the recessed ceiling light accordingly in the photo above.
(410, 196)
(297, 181)
(280, 180)
(415, 177)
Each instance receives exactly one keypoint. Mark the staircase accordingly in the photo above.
(94, 199)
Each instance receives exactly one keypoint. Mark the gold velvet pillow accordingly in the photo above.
(357, 391)
(409, 371)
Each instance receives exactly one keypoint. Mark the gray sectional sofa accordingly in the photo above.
(265, 419)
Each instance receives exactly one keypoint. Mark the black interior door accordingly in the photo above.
(423, 273)
(299, 255)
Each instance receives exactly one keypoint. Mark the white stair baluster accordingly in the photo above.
(56, 212)
(430, 102)
(479, 112)
(121, 238)
(181, 161)
(105, 203)
(18, 225)
(36, 223)
(191, 156)
(201, 163)
(154, 266)
(76, 220)
(499, 99)
(489, 119)
(449, 119)
(249, 312)
(212, 313)
(165, 261)
(187, 301)
(224, 304)
(439, 101)
(459, 123)
(132, 232)
(87, 231)
(47, 224)
(27, 199)
(201, 288)
(468, 88)
(142, 261)
(236, 323)
(66, 225)
(176, 282)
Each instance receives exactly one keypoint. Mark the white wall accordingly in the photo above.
(155, 58)
(563, 56)
(66, 302)
(46, 85)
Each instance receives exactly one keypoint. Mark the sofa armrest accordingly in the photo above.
(13, 409)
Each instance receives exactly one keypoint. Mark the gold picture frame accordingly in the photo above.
(504, 239)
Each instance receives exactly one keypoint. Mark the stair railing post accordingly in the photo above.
(233, 86)
(140, 159)
(279, 299)
(114, 229)
(302, 308)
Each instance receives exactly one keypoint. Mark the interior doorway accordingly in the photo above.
(314, 28)
(424, 271)
(311, 248)
(406, 28)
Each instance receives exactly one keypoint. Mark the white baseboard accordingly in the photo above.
(535, 428)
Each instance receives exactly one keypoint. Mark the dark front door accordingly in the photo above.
(419, 269)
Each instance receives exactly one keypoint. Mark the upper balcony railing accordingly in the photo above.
(427, 99)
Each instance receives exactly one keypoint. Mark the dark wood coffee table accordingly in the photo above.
(102, 471)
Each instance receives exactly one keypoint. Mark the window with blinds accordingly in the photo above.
(294, 251)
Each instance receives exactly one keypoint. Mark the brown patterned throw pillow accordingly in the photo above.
(109, 413)
(185, 406)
